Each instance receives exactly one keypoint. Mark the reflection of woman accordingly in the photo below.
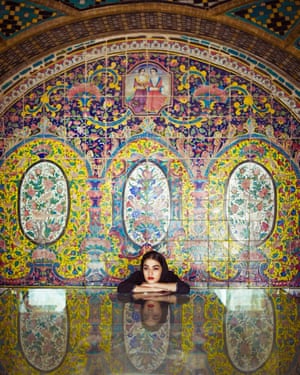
(146, 334)
(154, 276)
(141, 82)
(153, 314)
(147, 327)
(155, 98)
(155, 308)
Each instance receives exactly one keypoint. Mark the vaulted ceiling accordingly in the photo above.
(268, 30)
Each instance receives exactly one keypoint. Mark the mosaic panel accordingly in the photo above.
(42, 263)
(194, 120)
(234, 61)
(277, 266)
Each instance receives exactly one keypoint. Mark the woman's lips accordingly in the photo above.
(150, 278)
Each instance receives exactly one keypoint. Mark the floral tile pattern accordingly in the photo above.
(43, 202)
(250, 203)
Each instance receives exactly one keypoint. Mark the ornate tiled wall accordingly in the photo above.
(114, 147)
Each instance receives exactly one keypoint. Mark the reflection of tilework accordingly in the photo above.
(211, 328)
(278, 17)
(16, 16)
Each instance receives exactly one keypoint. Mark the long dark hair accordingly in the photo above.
(159, 258)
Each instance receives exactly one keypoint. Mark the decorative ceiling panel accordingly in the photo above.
(17, 16)
(277, 17)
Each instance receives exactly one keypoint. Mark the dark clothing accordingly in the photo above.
(137, 278)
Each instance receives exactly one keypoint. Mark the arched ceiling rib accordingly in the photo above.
(268, 29)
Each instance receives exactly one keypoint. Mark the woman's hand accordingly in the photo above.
(147, 288)
(155, 288)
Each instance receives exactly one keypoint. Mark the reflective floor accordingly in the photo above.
(92, 331)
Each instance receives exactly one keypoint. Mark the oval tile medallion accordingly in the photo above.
(251, 202)
(44, 202)
(146, 203)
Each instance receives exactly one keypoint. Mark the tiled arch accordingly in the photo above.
(224, 108)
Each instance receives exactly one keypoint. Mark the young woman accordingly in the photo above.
(153, 277)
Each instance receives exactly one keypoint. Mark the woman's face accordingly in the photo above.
(152, 270)
(151, 313)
